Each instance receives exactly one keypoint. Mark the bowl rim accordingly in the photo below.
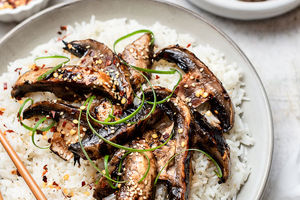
(226, 37)
(251, 6)
(22, 8)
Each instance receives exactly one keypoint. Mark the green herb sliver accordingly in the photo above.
(218, 172)
(84, 151)
(43, 76)
(28, 127)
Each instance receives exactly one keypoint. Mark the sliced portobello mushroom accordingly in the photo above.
(66, 116)
(210, 104)
(212, 143)
(201, 89)
(134, 167)
(120, 134)
(177, 120)
(139, 53)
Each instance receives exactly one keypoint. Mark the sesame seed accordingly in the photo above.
(208, 113)
(72, 132)
(66, 177)
(82, 107)
(154, 135)
(182, 144)
(84, 129)
(199, 93)
(186, 86)
(191, 77)
(180, 130)
(123, 101)
(61, 113)
(205, 94)
(55, 75)
(75, 121)
(131, 50)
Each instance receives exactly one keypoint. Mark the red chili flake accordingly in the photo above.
(43, 66)
(108, 62)
(1, 112)
(115, 60)
(62, 38)
(9, 131)
(46, 51)
(16, 172)
(36, 119)
(64, 124)
(63, 28)
(53, 113)
(53, 129)
(188, 45)
(45, 179)
(49, 140)
(48, 117)
(83, 183)
(54, 183)
(45, 167)
(121, 93)
(5, 86)
(59, 32)
(18, 69)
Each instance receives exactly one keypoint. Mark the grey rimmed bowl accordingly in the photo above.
(43, 26)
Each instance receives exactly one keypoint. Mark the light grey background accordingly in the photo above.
(273, 46)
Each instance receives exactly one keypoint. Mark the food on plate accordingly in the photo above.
(138, 119)
(12, 4)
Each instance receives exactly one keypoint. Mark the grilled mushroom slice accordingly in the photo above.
(66, 130)
(99, 72)
(135, 166)
(201, 89)
(212, 143)
(120, 134)
(177, 118)
(139, 53)
(66, 117)
(209, 102)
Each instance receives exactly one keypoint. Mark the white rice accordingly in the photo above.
(204, 182)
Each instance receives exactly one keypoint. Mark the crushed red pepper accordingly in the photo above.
(5, 86)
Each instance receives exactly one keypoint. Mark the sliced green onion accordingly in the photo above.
(111, 114)
(148, 168)
(115, 122)
(120, 167)
(54, 68)
(26, 126)
(121, 146)
(34, 131)
(218, 172)
(134, 33)
(86, 154)
(106, 157)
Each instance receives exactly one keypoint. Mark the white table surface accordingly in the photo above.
(273, 46)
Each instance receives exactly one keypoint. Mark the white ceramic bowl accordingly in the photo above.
(246, 10)
(43, 26)
(22, 12)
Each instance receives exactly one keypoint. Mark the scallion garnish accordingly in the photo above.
(34, 131)
(43, 76)
(106, 157)
(84, 151)
(115, 122)
(28, 127)
(218, 172)
(121, 146)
